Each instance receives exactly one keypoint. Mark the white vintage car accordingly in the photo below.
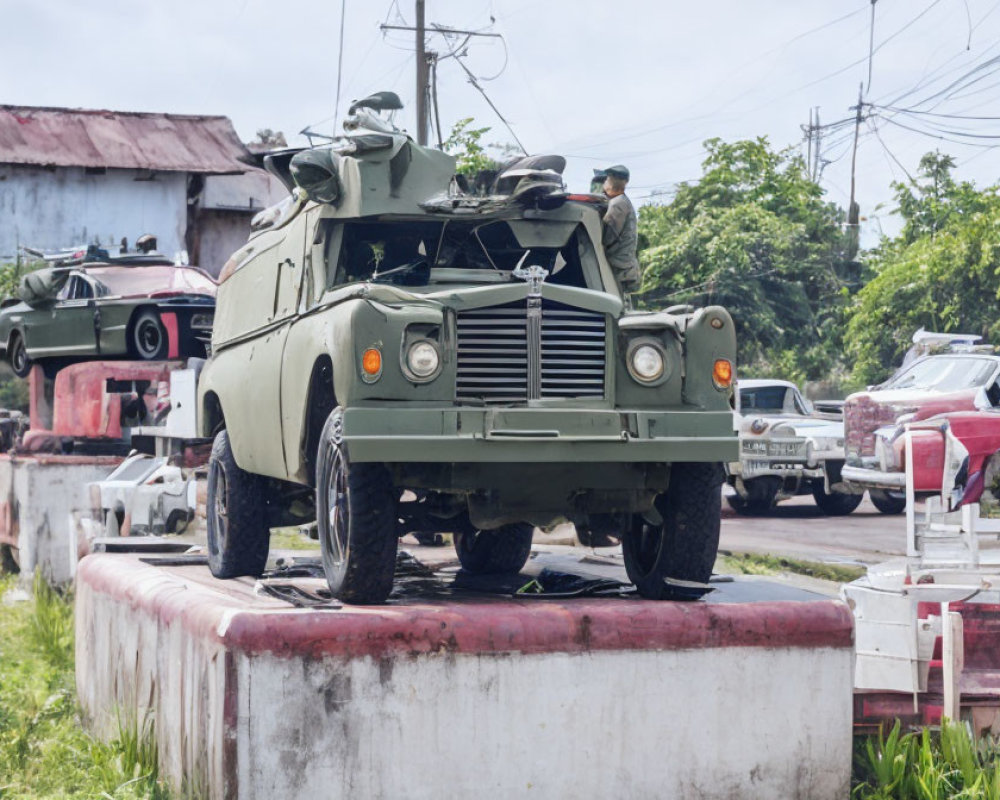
(787, 448)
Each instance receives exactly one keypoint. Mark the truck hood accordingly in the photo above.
(485, 296)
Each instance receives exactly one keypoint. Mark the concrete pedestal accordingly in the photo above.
(253, 698)
(39, 496)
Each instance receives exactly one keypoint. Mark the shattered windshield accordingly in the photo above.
(417, 253)
(942, 373)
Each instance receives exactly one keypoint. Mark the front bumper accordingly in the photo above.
(749, 468)
(537, 435)
(865, 478)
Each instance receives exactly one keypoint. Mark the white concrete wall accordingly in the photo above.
(713, 722)
(719, 723)
(64, 207)
(47, 491)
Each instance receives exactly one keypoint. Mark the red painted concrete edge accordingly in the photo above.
(64, 460)
(525, 626)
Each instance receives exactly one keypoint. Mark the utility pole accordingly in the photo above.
(809, 141)
(422, 76)
(814, 140)
(817, 148)
(853, 212)
(425, 60)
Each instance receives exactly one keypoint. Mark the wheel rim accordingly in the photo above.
(646, 542)
(20, 356)
(220, 511)
(469, 539)
(338, 509)
(148, 338)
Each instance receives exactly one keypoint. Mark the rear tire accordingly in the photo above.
(238, 536)
(17, 354)
(147, 337)
(886, 502)
(356, 520)
(685, 545)
(503, 550)
(835, 504)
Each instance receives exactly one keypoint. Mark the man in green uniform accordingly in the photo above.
(620, 228)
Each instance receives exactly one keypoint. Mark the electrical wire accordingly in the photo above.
(885, 147)
(881, 44)
(486, 97)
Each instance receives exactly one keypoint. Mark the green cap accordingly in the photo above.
(616, 171)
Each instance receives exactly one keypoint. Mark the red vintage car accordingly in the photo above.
(956, 399)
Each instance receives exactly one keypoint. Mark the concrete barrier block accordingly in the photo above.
(253, 698)
(39, 496)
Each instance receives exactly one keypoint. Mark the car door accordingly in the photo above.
(67, 328)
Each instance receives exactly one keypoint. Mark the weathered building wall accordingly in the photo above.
(68, 206)
(221, 234)
(226, 206)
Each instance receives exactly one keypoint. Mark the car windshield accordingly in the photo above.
(768, 399)
(414, 253)
(944, 374)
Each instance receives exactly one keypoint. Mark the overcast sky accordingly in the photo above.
(641, 82)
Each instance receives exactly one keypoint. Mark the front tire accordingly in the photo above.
(762, 494)
(887, 502)
(356, 520)
(148, 338)
(504, 550)
(835, 504)
(685, 544)
(17, 354)
(238, 535)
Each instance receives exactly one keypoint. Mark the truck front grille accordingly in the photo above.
(512, 354)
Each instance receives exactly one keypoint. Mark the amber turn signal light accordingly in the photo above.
(722, 373)
(371, 362)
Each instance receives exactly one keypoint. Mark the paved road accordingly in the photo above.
(796, 528)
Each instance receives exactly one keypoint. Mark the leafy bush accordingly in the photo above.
(926, 766)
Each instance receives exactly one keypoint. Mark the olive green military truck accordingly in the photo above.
(430, 357)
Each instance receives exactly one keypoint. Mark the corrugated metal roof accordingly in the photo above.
(65, 137)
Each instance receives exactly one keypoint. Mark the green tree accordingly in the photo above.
(466, 144)
(754, 234)
(941, 273)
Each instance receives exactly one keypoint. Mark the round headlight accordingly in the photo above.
(647, 362)
(422, 358)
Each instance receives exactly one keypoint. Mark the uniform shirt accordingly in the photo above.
(621, 236)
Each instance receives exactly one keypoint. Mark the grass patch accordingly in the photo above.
(291, 539)
(923, 765)
(44, 751)
(763, 564)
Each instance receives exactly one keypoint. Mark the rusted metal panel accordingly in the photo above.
(63, 137)
(84, 405)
